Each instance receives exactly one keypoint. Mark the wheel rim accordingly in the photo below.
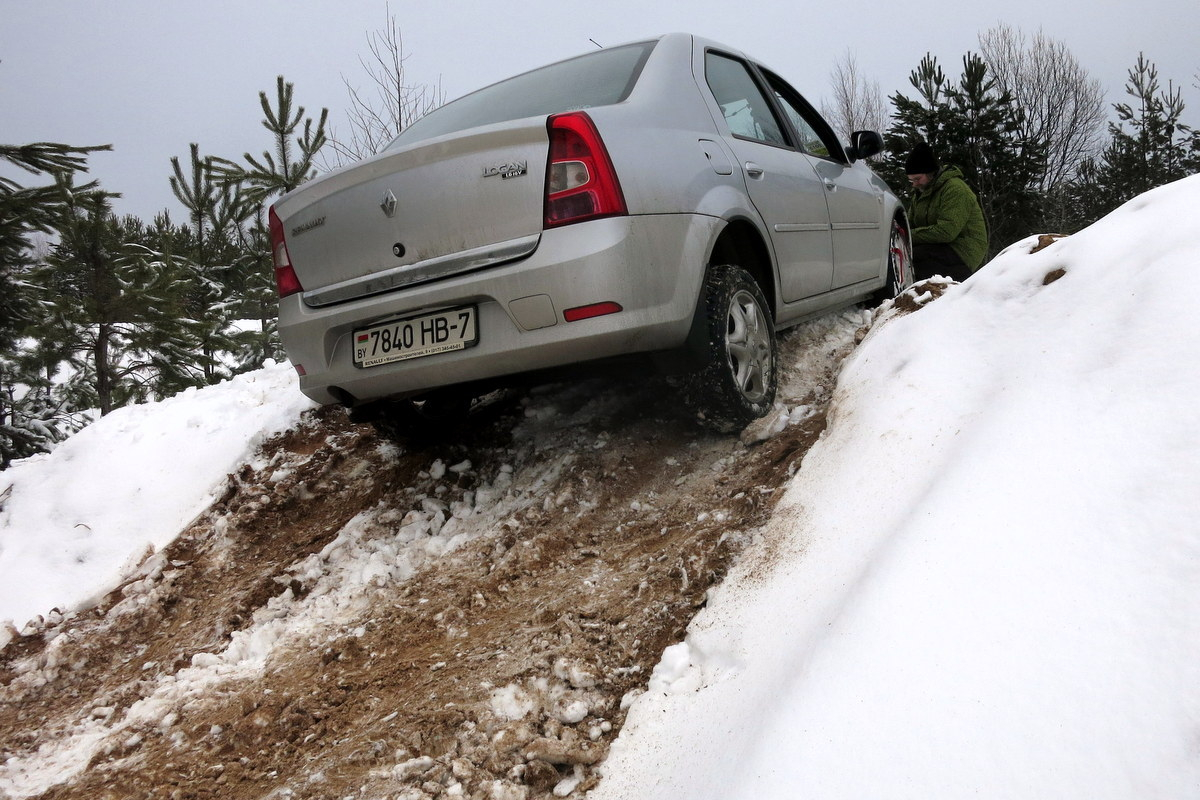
(901, 260)
(748, 343)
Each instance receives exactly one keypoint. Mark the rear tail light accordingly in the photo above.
(581, 183)
(285, 277)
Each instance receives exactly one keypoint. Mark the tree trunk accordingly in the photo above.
(104, 378)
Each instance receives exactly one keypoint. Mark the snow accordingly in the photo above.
(67, 536)
(982, 581)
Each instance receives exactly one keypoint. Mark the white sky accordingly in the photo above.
(982, 582)
(150, 77)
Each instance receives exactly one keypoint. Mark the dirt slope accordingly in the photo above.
(359, 619)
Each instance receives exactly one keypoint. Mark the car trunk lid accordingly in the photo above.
(436, 208)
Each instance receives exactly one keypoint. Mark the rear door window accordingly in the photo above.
(746, 109)
(595, 79)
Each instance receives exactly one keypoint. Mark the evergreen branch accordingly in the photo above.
(42, 157)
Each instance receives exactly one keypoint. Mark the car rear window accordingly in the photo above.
(595, 79)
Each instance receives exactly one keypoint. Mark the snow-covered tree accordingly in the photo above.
(29, 420)
(115, 307)
(208, 253)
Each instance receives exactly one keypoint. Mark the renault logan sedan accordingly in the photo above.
(670, 202)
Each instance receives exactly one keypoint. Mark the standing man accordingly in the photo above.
(949, 234)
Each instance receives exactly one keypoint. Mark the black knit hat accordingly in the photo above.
(921, 160)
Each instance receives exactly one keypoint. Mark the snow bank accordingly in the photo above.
(984, 580)
(126, 484)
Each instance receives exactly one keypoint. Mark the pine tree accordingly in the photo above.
(115, 308)
(201, 293)
(29, 422)
(205, 252)
(976, 127)
(1159, 142)
(290, 162)
(253, 301)
(1148, 146)
(28, 210)
(260, 300)
(995, 152)
(915, 119)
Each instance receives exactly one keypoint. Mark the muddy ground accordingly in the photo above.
(356, 618)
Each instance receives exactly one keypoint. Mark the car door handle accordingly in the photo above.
(754, 170)
(830, 185)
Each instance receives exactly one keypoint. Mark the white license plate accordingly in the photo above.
(416, 337)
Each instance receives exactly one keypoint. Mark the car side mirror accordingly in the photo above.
(864, 144)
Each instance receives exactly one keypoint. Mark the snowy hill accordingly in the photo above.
(969, 568)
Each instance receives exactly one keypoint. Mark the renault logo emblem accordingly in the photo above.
(389, 204)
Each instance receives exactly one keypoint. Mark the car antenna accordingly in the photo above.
(593, 41)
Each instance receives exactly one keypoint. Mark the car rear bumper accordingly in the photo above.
(651, 266)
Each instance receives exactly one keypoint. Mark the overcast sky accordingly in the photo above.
(151, 76)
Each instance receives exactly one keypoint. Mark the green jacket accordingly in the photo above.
(948, 213)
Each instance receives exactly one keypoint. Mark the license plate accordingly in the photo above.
(416, 337)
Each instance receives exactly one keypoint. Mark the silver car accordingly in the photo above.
(669, 202)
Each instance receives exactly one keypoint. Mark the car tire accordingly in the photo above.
(900, 264)
(737, 381)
